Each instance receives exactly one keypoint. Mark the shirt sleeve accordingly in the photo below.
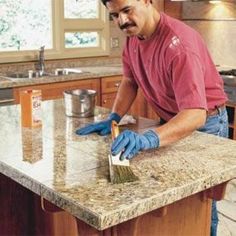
(188, 82)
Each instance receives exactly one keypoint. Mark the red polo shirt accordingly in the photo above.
(174, 69)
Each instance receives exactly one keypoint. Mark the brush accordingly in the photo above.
(120, 171)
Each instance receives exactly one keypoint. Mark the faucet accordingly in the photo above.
(41, 64)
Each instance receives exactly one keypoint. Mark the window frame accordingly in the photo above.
(59, 27)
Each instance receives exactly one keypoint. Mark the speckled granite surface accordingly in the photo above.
(88, 72)
(72, 171)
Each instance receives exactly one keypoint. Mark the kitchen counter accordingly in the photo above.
(88, 72)
(72, 172)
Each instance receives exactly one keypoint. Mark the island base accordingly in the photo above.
(33, 215)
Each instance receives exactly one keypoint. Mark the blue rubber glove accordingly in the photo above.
(101, 127)
(130, 143)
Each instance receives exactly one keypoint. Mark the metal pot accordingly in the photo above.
(80, 102)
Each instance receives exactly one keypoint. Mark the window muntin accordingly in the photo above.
(60, 26)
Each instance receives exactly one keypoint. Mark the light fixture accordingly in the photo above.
(215, 2)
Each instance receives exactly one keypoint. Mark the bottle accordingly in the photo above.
(31, 114)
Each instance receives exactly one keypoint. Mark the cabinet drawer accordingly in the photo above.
(108, 100)
(111, 84)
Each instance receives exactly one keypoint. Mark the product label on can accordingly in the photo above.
(36, 108)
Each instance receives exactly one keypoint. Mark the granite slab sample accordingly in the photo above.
(72, 171)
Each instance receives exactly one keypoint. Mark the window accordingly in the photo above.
(67, 29)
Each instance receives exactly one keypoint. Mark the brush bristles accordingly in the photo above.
(119, 174)
(122, 174)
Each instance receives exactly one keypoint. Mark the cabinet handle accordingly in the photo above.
(104, 101)
(117, 85)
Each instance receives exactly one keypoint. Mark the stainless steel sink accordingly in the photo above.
(67, 71)
(24, 75)
(36, 74)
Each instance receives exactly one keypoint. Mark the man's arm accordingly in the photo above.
(125, 96)
(181, 125)
(124, 99)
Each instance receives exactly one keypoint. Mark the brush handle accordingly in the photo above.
(114, 130)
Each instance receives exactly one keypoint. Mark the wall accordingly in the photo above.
(116, 33)
(217, 24)
(219, 35)
(220, 39)
(113, 58)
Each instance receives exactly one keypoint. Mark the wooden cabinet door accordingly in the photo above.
(139, 107)
(173, 8)
(110, 87)
(108, 100)
(110, 84)
(151, 114)
(55, 90)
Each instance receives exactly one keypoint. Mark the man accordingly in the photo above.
(171, 64)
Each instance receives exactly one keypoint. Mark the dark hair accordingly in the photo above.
(105, 2)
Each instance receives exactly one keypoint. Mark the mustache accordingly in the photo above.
(126, 25)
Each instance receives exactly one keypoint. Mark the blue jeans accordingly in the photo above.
(217, 125)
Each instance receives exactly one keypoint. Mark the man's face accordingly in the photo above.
(129, 15)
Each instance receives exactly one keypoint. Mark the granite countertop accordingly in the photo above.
(88, 72)
(72, 171)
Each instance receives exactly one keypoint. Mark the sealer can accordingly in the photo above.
(31, 113)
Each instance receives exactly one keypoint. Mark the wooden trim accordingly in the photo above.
(110, 84)
(185, 217)
(173, 8)
(59, 27)
(159, 212)
(218, 192)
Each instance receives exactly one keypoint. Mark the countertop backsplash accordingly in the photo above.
(51, 65)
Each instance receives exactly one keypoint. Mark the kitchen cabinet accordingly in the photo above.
(173, 8)
(170, 7)
(151, 114)
(73, 195)
(55, 90)
(109, 88)
(139, 107)
(16, 216)
(231, 110)
(106, 88)
(159, 4)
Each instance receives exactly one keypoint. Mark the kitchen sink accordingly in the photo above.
(67, 71)
(20, 75)
(36, 74)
